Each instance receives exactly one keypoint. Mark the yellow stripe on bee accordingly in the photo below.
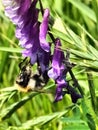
(21, 89)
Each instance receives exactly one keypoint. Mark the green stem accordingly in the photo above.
(92, 92)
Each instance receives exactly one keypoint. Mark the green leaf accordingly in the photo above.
(84, 9)
(91, 122)
(76, 127)
(7, 112)
(75, 38)
(11, 49)
(8, 89)
(83, 55)
(42, 120)
(88, 34)
(73, 120)
(88, 113)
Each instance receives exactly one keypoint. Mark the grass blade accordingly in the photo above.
(84, 9)
(6, 113)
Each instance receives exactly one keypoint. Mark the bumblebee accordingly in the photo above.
(26, 80)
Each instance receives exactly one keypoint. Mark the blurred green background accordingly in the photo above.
(75, 22)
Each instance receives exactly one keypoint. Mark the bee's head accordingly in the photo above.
(24, 76)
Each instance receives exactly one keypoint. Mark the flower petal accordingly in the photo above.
(57, 61)
(61, 83)
(44, 58)
(14, 9)
(43, 31)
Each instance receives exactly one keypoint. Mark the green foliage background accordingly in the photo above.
(75, 22)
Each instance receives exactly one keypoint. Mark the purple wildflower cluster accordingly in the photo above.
(32, 37)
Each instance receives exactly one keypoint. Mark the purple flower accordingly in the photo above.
(57, 61)
(63, 88)
(24, 14)
(31, 35)
(58, 73)
(14, 9)
(61, 84)
(43, 31)
(26, 33)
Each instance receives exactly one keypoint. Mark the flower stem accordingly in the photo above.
(41, 7)
(69, 67)
(76, 84)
